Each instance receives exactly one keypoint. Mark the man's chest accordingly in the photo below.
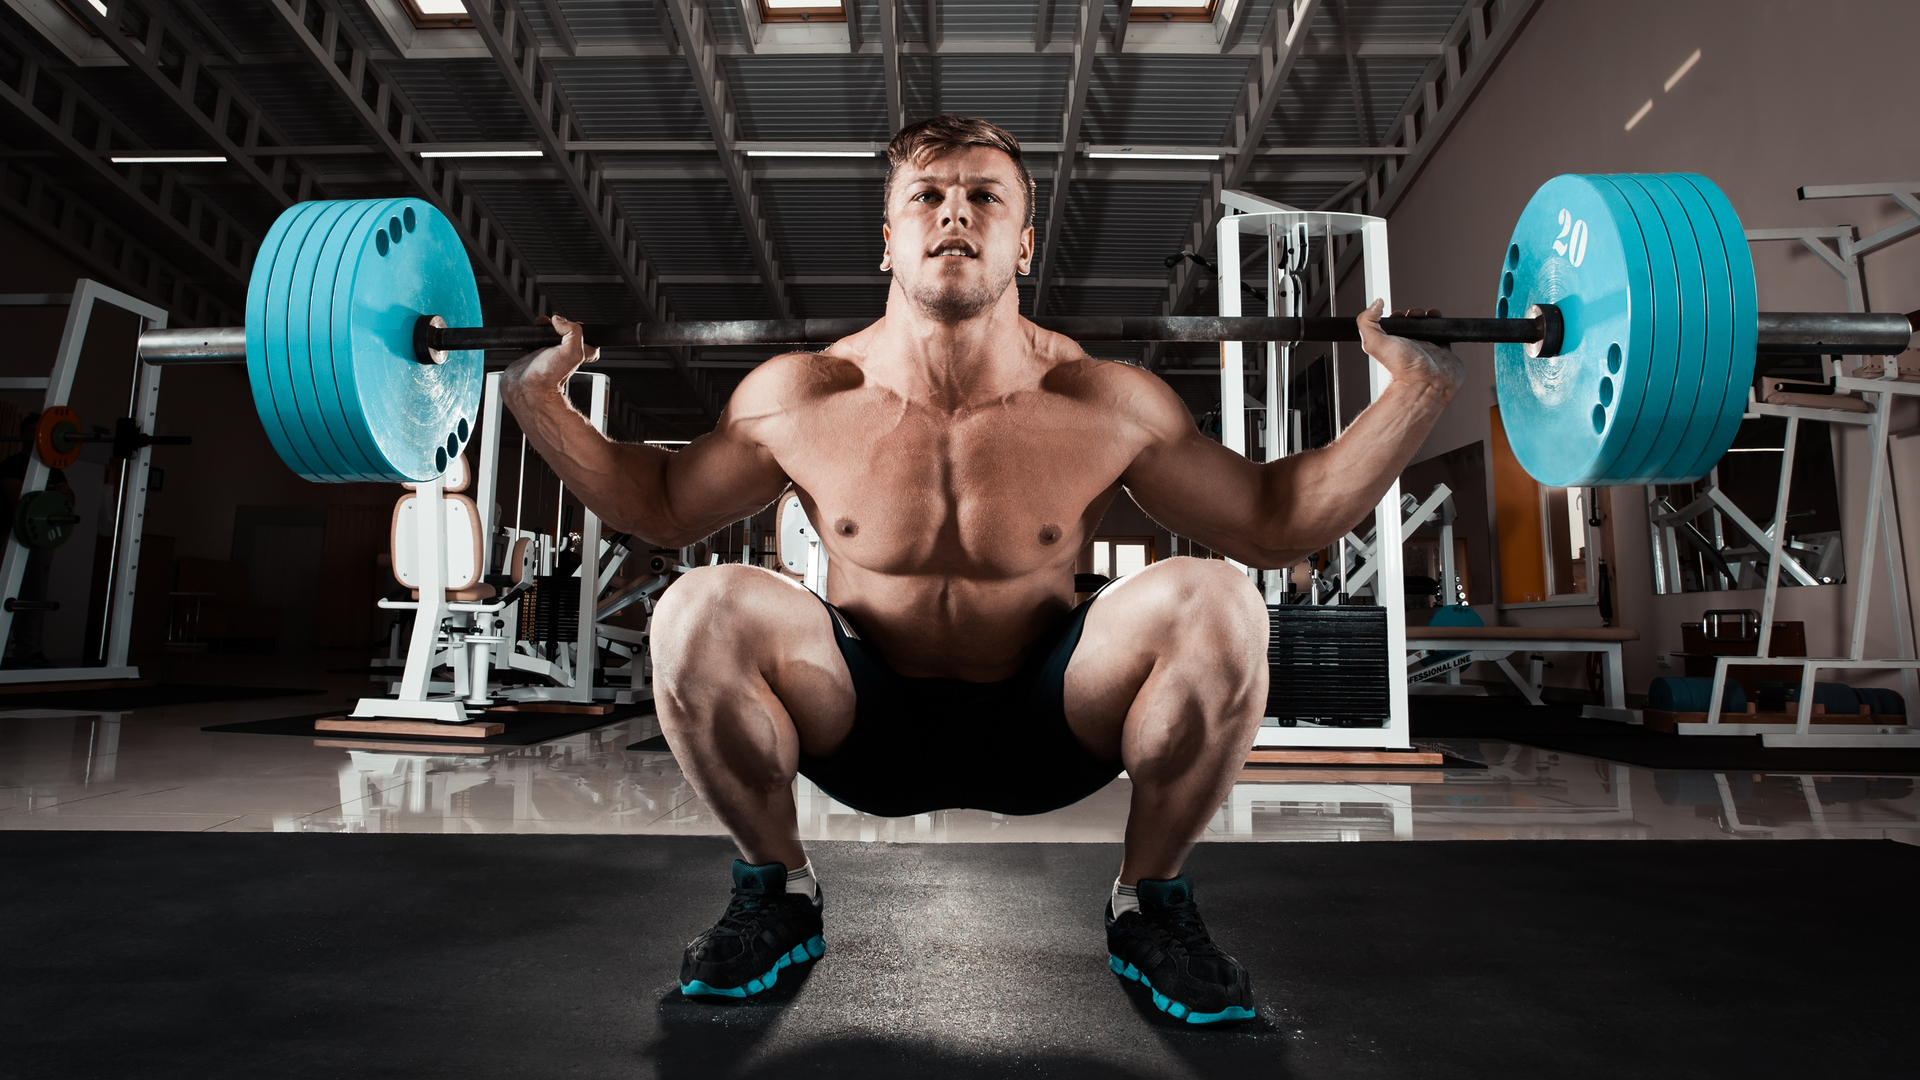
(995, 489)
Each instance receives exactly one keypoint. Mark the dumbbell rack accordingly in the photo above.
(1879, 531)
(131, 509)
(1287, 232)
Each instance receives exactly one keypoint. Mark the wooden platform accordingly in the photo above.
(1345, 757)
(598, 708)
(1266, 774)
(379, 726)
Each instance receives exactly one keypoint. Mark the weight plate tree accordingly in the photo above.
(1625, 328)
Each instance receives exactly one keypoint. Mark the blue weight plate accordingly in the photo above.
(1716, 379)
(321, 391)
(409, 417)
(1654, 434)
(1687, 425)
(309, 370)
(1578, 245)
(273, 397)
(259, 284)
(1745, 318)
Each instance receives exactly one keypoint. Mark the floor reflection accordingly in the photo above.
(155, 769)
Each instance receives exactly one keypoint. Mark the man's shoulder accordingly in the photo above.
(1129, 391)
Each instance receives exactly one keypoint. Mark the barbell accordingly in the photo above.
(1625, 330)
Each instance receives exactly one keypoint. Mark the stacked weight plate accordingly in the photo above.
(1652, 276)
(335, 292)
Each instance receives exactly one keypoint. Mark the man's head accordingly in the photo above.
(959, 213)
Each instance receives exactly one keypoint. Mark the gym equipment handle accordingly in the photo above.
(1789, 332)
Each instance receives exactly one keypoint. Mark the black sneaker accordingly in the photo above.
(765, 929)
(1164, 947)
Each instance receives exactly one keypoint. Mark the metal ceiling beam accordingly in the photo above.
(798, 147)
(890, 63)
(517, 53)
(1070, 122)
(88, 132)
(82, 232)
(716, 101)
(1356, 85)
(855, 32)
(1042, 25)
(1281, 46)
(1480, 36)
(557, 16)
(1122, 16)
(329, 41)
(153, 42)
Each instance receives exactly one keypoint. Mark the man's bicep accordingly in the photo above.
(719, 479)
(1196, 487)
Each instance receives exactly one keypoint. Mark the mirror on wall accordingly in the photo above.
(1464, 471)
(1713, 534)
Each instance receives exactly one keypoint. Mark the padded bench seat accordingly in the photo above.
(1495, 643)
(1522, 633)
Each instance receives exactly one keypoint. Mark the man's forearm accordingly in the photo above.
(1315, 497)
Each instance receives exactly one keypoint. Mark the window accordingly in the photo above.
(801, 11)
(1118, 556)
(1172, 11)
(437, 14)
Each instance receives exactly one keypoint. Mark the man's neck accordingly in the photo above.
(952, 364)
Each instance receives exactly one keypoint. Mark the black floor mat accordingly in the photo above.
(302, 955)
(522, 729)
(128, 698)
(1560, 727)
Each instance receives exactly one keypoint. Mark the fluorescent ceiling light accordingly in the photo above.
(440, 7)
(810, 153)
(479, 153)
(165, 159)
(1158, 157)
(98, 5)
(815, 5)
(668, 442)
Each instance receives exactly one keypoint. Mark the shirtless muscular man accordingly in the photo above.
(956, 458)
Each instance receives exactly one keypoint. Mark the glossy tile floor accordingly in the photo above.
(155, 769)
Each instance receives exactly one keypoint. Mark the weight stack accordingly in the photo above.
(550, 613)
(1327, 665)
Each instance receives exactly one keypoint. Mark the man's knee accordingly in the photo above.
(1206, 598)
(712, 604)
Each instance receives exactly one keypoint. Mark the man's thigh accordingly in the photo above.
(1146, 620)
(719, 626)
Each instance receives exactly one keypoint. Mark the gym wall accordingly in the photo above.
(1786, 93)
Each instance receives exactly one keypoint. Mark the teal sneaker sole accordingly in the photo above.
(800, 954)
(1171, 1007)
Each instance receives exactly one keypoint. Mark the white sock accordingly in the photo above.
(803, 881)
(1125, 898)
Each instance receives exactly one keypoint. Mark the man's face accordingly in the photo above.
(956, 231)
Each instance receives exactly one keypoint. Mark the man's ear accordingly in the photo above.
(886, 251)
(1025, 266)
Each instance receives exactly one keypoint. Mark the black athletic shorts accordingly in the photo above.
(919, 745)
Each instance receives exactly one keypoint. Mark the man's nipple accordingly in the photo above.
(1050, 534)
(846, 527)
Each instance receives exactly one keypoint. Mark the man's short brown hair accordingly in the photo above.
(939, 134)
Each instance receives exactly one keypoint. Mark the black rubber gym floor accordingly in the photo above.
(182, 955)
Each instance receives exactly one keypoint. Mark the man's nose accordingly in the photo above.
(954, 210)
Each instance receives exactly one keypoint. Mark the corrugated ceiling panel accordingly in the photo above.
(988, 18)
(463, 100)
(840, 301)
(594, 303)
(1163, 99)
(687, 226)
(247, 25)
(132, 100)
(547, 225)
(827, 226)
(642, 98)
(809, 97)
(301, 102)
(1023, 93)
(1390, 21)
(612, 22)
(720, 302)
(728, 22)
(1125, 228)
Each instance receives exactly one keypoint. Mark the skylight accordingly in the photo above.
(802, 11)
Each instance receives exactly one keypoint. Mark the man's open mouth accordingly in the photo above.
(959, 250)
